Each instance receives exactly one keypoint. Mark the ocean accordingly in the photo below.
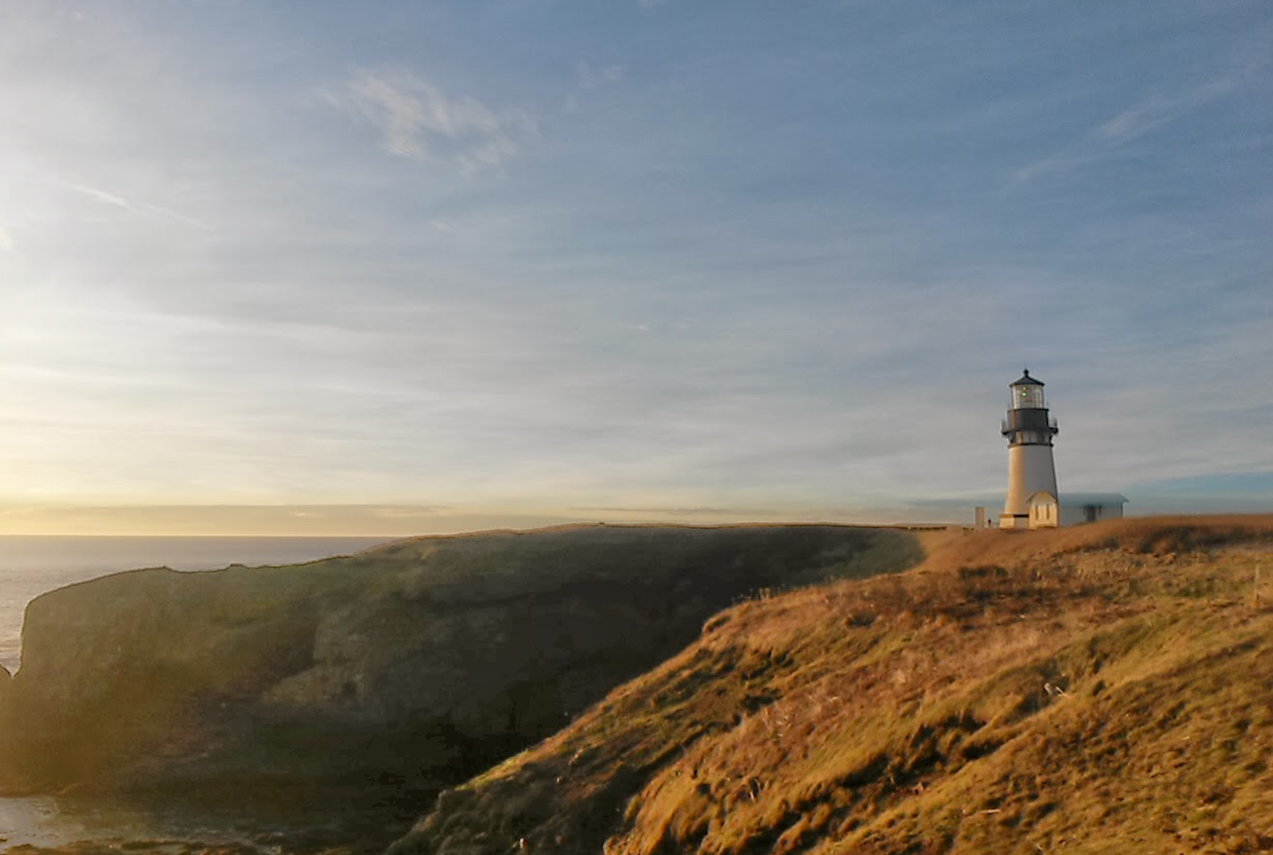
(30, 566)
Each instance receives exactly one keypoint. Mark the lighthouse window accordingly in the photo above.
(1028, 398)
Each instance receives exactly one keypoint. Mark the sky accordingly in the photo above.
(403, 267)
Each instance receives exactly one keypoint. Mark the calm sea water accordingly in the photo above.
(29, 566)
(134, 824)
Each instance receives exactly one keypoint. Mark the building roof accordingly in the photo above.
(1074, 500)
(1026, 380)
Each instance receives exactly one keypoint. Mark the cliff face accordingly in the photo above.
(409, 666)
(1103, 689)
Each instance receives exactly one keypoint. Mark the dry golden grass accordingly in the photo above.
(1101, 689)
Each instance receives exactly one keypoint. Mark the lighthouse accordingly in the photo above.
(1032, 497)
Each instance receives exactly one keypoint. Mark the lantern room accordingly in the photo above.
(1027, 393)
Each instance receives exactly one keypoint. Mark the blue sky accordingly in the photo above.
(684, 259)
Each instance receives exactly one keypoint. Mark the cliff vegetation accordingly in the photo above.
(1101, 689)
(383, 675)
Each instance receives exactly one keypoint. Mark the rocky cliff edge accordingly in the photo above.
(407, 667)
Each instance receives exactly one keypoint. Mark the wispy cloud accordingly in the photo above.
(418, 121)
(137, 207)
(103, 196)
(1131, 124)
(6, 241)
(590, 77)
(670, 510)
(400, 512)
(1158, 110)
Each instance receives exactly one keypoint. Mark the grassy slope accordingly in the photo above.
(1103, 689)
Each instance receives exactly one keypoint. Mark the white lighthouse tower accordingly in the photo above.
(1032, 497)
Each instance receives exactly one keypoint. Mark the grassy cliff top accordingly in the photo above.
(1104, 689)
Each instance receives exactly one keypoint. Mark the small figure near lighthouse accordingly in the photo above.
(1032, 497)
